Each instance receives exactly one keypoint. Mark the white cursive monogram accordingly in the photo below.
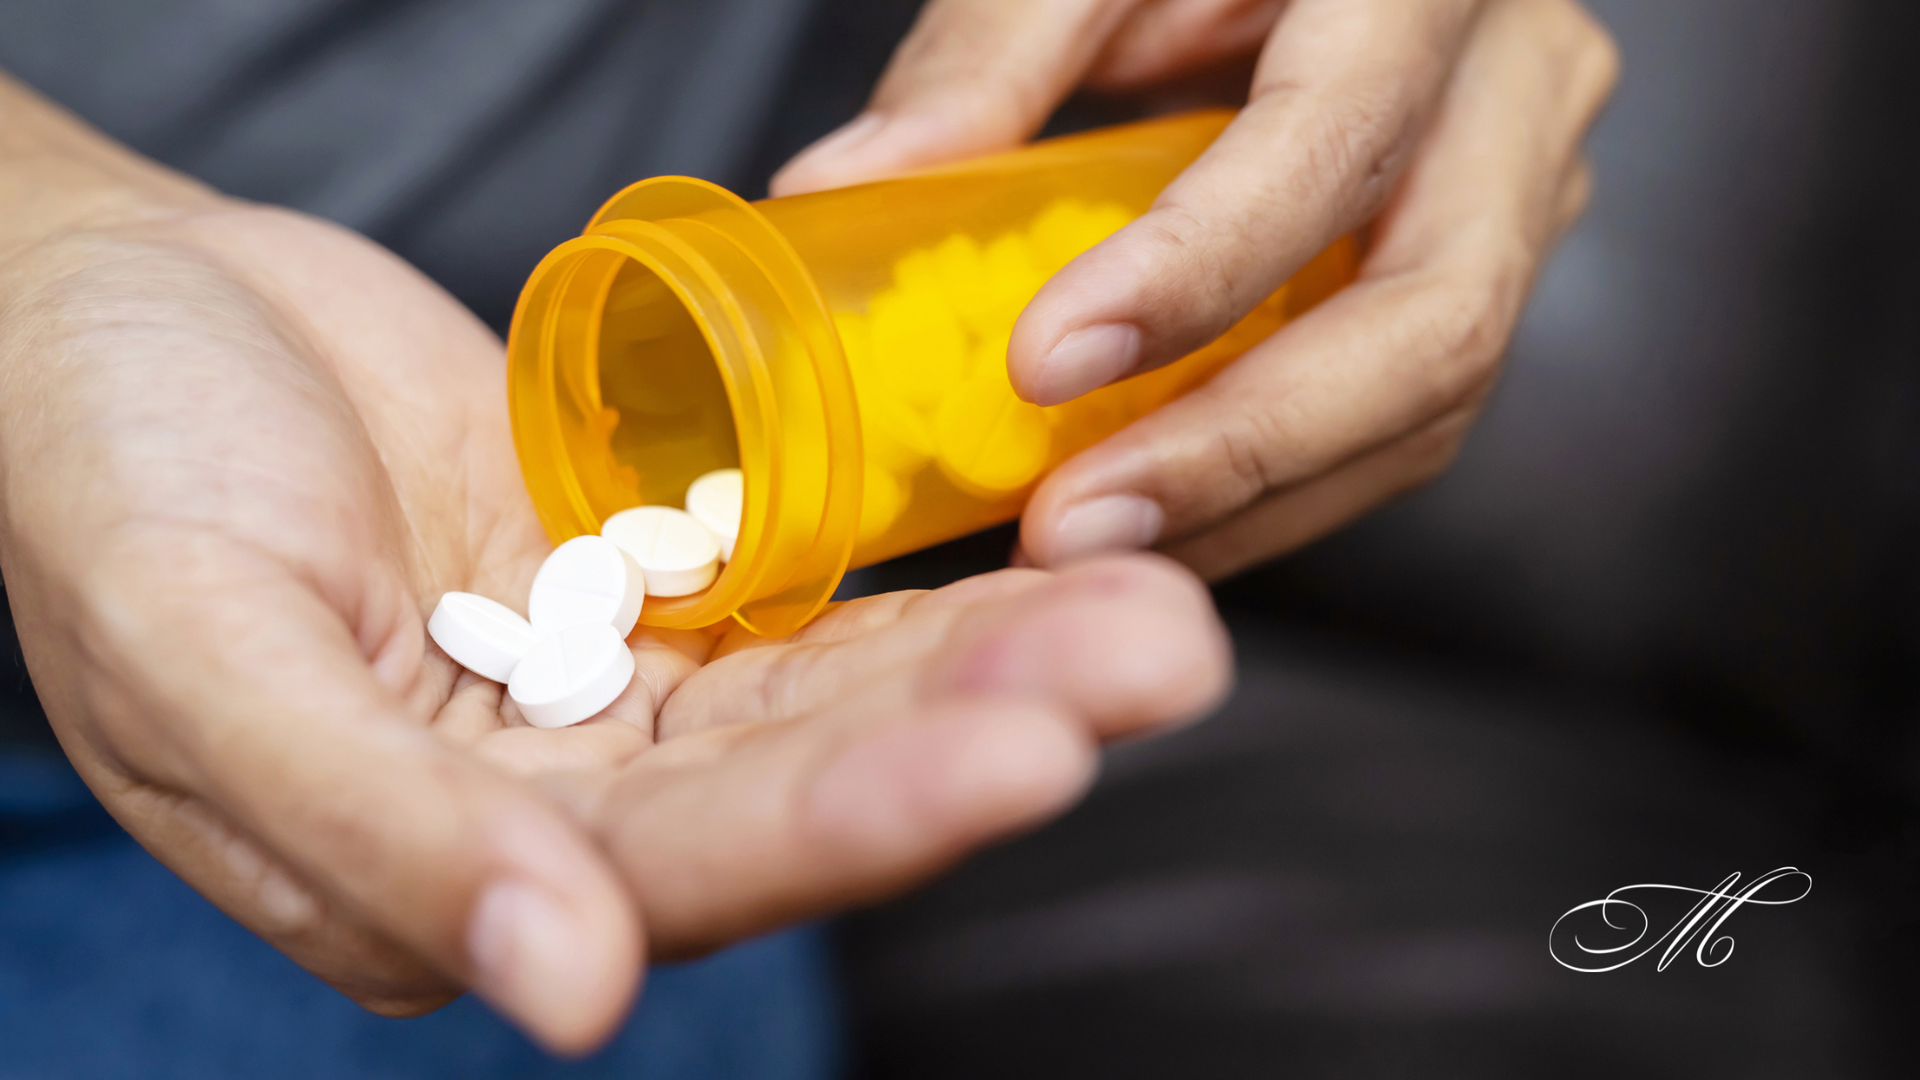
(1715, 907)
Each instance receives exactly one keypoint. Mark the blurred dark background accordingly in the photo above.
(1658, 624)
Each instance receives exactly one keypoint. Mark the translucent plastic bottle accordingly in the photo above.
(846, 350)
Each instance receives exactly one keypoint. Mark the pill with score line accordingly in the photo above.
(484, 636)
(571, 675)
(715, 500)
(588, 579)
(679, 555)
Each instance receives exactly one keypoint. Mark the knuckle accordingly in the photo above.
(1592, 55)
(1253, 449)
(1466, 333)
(1189, 259)
(1598, 70)
(106, 687)
(1355, 141)
(1575, 194)
(1435, 453)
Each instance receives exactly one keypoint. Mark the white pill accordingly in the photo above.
(588, 579)
(572, 674)
(678, 554)
(485, 637)
(715, 500)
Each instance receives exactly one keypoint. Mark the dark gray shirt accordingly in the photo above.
(469, 134)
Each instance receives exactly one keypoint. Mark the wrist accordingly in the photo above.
(58, 175)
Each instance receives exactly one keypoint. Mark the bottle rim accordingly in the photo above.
(752, 300)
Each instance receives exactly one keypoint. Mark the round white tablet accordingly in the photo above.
(571, 675)
(715, 500)
(484, 636)
(678, 554)
(588, 579)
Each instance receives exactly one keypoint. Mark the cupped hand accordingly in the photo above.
(1450, 129)
(242, 453)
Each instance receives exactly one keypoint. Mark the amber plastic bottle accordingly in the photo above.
(846, 350)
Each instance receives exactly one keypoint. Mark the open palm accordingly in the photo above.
(245, 451)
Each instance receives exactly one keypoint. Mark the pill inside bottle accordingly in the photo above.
(678, 555)
(715, 500)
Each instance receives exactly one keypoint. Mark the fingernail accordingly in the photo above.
(1108, 523)
(1085, 360)
(850, 135)
(530, 959)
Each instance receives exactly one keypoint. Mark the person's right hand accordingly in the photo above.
(1447, 131)
(243, 452)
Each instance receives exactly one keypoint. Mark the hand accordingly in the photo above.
(243, 452)
(1452, 126)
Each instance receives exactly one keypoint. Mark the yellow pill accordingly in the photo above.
(1010, 278)
(919, 271)
(990, 442)
(934, 344)
(965, 282)
(893, 436)
(903, 439)
(990, 355)
(1058, 234)
(856, 337)
(883, 497)
(919, 348)
(1068, 227)
(1105, 218)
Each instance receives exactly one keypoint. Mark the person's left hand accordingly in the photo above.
(743, 783)
(242, 454)
(1452, 126)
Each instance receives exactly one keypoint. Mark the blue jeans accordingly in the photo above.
(110, 966)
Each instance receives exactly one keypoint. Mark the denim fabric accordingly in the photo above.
(110, 966)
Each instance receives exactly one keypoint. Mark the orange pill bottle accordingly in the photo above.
(846, 350)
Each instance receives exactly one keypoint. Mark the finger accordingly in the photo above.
(1077, 624)
(757, 680)
(1576, 191)
(481, 717)
(876, 789)
(473, 708)
(1160, 40)
(1127, 644)
(972, 76)
(304, 749)
(1418, 335)
(786, 825)
(1296, 516)
(272, 899)
(1341, 96)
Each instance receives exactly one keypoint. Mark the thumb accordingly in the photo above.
(273, 716)
(973, 76)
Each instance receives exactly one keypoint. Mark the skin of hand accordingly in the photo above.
(1449, 131)
(242, 453)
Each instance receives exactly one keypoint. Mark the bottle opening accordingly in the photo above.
(680, 334)
(667, 408)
